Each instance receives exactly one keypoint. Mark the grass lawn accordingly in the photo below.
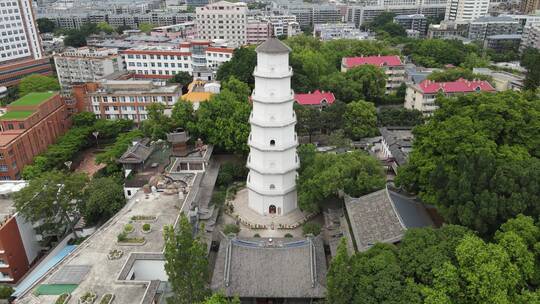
(16, 115)
(33, 99)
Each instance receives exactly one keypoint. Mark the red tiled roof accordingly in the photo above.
(351, 62)
(459, 86)
(315, 98)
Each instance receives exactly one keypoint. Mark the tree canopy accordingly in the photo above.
(399, 117)
(104, 197)
(37, 83)
(182, 78)
(157, 124)
(45, 25)
(477, 159)
(146, 27)
(446, 265)
(53, 201)
(240, 66)
(322, 175)
(186, 263)
(456, 73)
(360, 120)
(438, 52)
(530, 60)
(366, 82)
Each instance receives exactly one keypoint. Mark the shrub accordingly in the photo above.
(146, 227)
(231, 228)
(256, 235)
(288, 235)
(218, 197)
(5, 291)
(311, 228)
(128, 228)
(106, 298)
(122, 236)
(61, 299)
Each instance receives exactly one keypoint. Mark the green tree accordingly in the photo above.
(186, 263)
(311, 228)
(241, 66)
(399, 117)
(455, 74)
(239, 88)
(393, 30)
(120, 30)
(37, 83)
(53, 200)
(146, 27)
(105, 27)
(366, 82)
(381, 20)
(182, 78)
(472, 60)
(477, 160)
(103, 198)
(157, 125)
(339, 280)
(529, 60)
(360, 120)
(308, 120)
(83, 119)
(45, 25)
(332, 116)
(75, 39)
(322, 175)
(113, 152)
(438, 52)
(219, 298)
(183, 114)
(223, 121)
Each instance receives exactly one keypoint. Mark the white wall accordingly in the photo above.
(28, 236)
(148, 270)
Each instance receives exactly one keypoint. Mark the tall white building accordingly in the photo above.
(272, 160)
(463, 11)
(222, 20)
(19, 38)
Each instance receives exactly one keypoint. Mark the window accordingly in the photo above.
(3, 168)
(272, 142)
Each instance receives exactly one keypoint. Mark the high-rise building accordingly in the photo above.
(481, 28)
(529, 6)
(531, 36)
(272, 160)
(415, 22)
(222, 20)
(258, 31)
(463, 11)
(20, 46)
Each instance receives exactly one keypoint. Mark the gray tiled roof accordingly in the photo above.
(135, 154)
(383, 217)
(288, 268)
(399, 140)
(273, 46)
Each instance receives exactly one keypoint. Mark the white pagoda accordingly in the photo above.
(272, 160)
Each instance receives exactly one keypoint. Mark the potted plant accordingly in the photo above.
(87, 298)
(115, 254)
(128, 228)
(146, 228)
(63, 298)
(107, 298)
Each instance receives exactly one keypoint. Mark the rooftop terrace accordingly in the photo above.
(33, 99)
(16, 115)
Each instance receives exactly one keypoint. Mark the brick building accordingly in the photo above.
(391, 65)
(27, 128)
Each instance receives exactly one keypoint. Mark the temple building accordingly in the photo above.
(272, 160)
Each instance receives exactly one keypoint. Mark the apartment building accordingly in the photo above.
(531, 36)
(283, 25)
(28, 126)
(163, 61)
(481, 28)
(85, 64)
(222, 20)
(422, 96)
(127, 99)
(19, 247)
(447, 29)
(257, 31)
(414, 22)
(331, 31)
(368, 10)
(529, 6)
(463, 11)
(392, 66)
(21, 52)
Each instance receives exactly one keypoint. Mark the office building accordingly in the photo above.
(331, 31)
(447, 29)
(529, 6)
(531, 36)
(27, 128)
(391, 65)
(463, 11)
(366, 12)
(283, 25)
(414, 22)
(257, 31)
(19, 247)
(127, 99)
(21, 53)
(222, 20)
(85, 64)
(483, 27)
(422, 96)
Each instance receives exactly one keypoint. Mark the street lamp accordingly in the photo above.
(96, 133)
(68, 164)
